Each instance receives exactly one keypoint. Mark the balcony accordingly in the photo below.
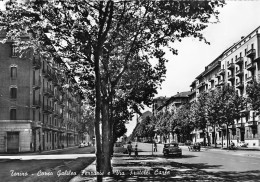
(45, 74)
(36, 104)
(37, 84)
(46, 126)
(239, 61)
(252, 123)
(251, 79)
(251, 53)
(221, 72)
(48, 92)
(250, 66)
(55, 113)
(47, 109)
(240, 84)
(239, 72)
(231, 77)
(36, 63)
(202, 84)
(36, 124)
(54, 128)
(233, 126)
(230, 66)
(221, 82)
(240, 125)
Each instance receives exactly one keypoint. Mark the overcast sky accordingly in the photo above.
(237, 19)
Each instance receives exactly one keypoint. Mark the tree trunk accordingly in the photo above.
(97, 118)
(227, 136)
(106, 138)
(215, 138)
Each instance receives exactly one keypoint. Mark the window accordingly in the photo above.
(252, 46)
(33, 115)
(240, 55)
(14, 50)
(13, 93)
(13, 72)
(245, 51)
(13, 114)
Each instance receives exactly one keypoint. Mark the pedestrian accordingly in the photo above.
(136, 151)
(129, 148)
(155, 147)
(40, 148)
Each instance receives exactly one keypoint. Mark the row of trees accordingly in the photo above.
(221, 107)
(107, 45)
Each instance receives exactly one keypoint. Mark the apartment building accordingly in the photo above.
(170, 105)
(36, 110)
(236, 66)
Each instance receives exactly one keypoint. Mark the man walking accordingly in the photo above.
(129, 148)
(155, 147)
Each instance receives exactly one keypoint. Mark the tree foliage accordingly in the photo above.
(106, 44)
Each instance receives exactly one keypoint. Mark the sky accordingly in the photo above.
(237, 19)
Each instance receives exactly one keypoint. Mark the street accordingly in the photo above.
(206, 165)
(60, 165)
(64, 165)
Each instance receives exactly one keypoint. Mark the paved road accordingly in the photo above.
(47, 166)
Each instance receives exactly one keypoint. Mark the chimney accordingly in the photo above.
(242, 37)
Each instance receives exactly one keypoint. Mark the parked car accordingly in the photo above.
(195, 147)
(242, 144)
(172, 149)
(81, 145)
(188, 142)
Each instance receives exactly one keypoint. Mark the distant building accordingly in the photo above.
(170, 105)
(157, 103)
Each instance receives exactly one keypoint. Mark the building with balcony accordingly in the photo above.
(239, 65)
(36, 111)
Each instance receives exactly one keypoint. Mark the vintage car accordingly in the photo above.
(81, 145)
(195, 147)
(172, 149)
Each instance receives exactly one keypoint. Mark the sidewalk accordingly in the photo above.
(36, 153)
(126, 169)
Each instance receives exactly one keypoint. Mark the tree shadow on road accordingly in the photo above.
(158, 170)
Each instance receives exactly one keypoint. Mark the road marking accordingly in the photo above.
(242, 161)
(254, 163)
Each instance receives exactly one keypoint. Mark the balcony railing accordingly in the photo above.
(233, 126)
(47, 109)
(240, 125)
(251, 53)
(240, 84)
(37, 63)
(36, 104)
(231, 77)
(37, 84)
(46, 126)
(250, 66)
(230, 66)
(36, 124)
(251, 78)
(221, 72)
(48, 92)
(239, 60)
(239, 72)
(201, 84)
(252, 123)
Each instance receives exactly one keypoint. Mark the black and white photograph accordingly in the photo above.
(124, 91)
